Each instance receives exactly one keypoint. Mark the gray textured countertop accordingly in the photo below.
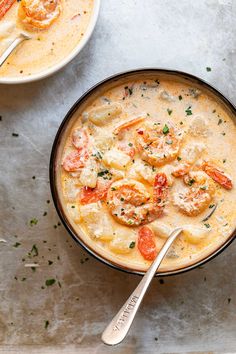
(194, 312)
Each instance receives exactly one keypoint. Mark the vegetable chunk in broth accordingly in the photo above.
(143, 156)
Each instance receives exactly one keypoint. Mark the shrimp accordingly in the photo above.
(146, 243)
(158, 145)
(39, 14)
(76, 159)
(5, 5)
(127, 148)
(128, 124)
(195, 199)
(91, 195)
(217, 175)
(131, 204)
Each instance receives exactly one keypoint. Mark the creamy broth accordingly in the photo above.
(108, 153)
(47, 47)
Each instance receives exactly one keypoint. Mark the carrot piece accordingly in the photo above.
(128, 124)
(217, 175)
(5, 5)
(146, 244)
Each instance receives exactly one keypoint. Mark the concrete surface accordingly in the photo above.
(194, 312)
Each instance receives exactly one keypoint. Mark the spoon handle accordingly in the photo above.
(11, 47)
(120, 324)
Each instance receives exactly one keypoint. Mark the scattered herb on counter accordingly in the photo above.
(188, 111)
(23, 279)
(50, 282)
(0, 118)
(207, 225)
(15, 135)
(156, 339)
(208, 68)
(165, 129)
(17, 244)
(132, 244)
(48, 201)
(169, 111)
(33, 269)
(220, 121)
(33, 221)
(33, 177)
(46, 324)
(180, 97)
(45, 213)
(34, 251)
(229, 300)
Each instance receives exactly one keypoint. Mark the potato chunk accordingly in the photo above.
(160, 229)
(96, 222)
(88, 176)
(74, 212)
(116, 159)
(103, 114)
(122, 240)
(194, 234)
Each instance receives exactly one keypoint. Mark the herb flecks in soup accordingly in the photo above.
(143, 158)
(56, 28)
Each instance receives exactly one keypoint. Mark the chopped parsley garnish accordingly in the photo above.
(223, 133)
(165, 129)
(169, 142)
(106, 174)
(17, 244)
(33, 221)
(50, 282)
(180, 97)
(130, 144)
(97, 155)
(34, 251)
(132, 244)
(220, 121)
(46, 324)
(188, 111)
(121, 199)
(179, 158)
(73, 206)
(211, 206)
(224, 160)
(169, 111)
(208, 68)
(191, 181)
(203, 188)
(113, 188)
(207, 226)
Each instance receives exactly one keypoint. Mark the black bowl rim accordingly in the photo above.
(54, 192)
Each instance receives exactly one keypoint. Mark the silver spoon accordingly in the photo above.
(121, 323)
(21, 37)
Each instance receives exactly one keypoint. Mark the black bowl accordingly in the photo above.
(53, 161)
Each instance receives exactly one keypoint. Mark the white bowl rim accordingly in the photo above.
(45, 73)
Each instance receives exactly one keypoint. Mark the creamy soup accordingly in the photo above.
(142, 157)
(56, 27)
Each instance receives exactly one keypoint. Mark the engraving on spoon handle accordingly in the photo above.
(120, 324)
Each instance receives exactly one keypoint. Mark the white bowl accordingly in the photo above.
(66, 60)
